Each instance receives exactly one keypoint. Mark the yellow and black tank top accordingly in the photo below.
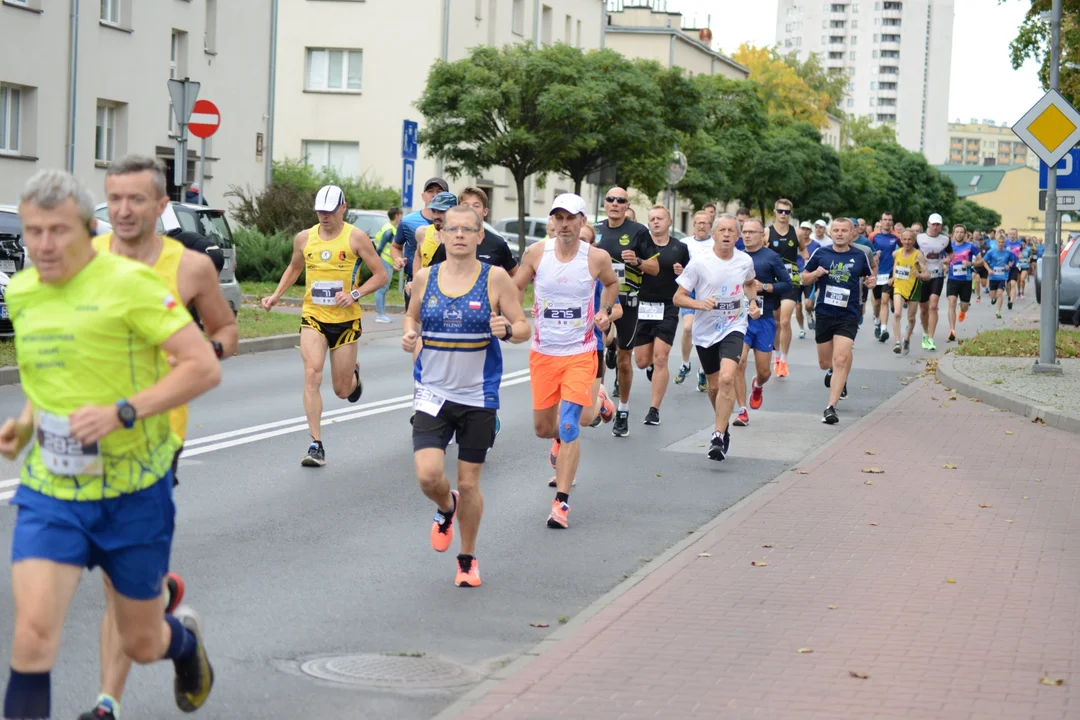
(904, 272)
(331, 267)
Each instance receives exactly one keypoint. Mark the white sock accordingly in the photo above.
(783, 356)
(686, 365)
(623, 407)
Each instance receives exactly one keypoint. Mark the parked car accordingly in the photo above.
(535, 231)
(1069, 296)
(201, 219)
(370, 221)
(12, 259)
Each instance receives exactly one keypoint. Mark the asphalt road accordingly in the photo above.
(289, 564)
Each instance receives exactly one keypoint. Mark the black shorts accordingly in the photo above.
(663, 330)
(1014, 274)
(933, 286)
(882, 289)
(176, 465)
(475, 428)
(795, 294)
(997, 285)
(729, 348)
(626, 326)
(829, 326)
(336, 334)
(600, 361)
(959, 288)
(983, 272)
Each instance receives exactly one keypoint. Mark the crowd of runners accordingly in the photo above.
(117, 333)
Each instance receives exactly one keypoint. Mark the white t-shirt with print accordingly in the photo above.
(709, 276)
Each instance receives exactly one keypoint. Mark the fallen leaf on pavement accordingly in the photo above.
(949, 466)
(944, 405)
(985, 505)
(873, 471)
(1010, 521)
(832, 607)
(768, 545)
(1038, 480)
(872, 523)
(789, 547)
(903, 383)
(959, 493)
(1008, 432)
(953, 397)
(1025, 497)
(993, 409)
(870, 452)
(864, 387)
(951, 581)
(868, 482)
(1048, 681)
(758, 563)
(933, 398)
(805, 651)
(858, 674)
(538, 624)
(1039, 420)
(659, 474)
(803, 472)
(974, 399)
(704, 554)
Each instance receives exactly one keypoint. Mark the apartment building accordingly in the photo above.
(349, 74)
(102, 88)
(987, 143)
(897, 55)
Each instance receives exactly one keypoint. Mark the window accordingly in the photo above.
(517, 18)
(341, 157)
(873, 85)
(787, 43)
(854, 24)
(836, 56)
(887, 86)
(824, 24)
(890, 53)
(851, 55)
(890, 22)
(851, 102)
(890, 38)
(110, 12)
(890, 70)
(838, 8)
(545, 24)
(886, 101)
(854, 39)
(836, 40)
(334, 70)
(837, 24)
(10, 115)
(105, 136)
(798, 42)
(886, 118)
(874, 54)
(877, 37)
(872, 102)
(210, 37)
(894, 6)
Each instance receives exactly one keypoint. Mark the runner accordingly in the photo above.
(492, 249)
(700, 242)
(602, 409)
(839, 271)
(135, 189)
(1024, 263)
(884, 247)
(936, 248)
(630, 247)
(460, 311)
(964, 256)
(403, 248)
(1000, 263)
(723, 281)
(1014, 245)
(806, 249)
(658, 318)
(330, 319)
(909, 271)
(773, 281)
(97, 483)
(384, 241)
(784, 241)
(428, 238)
(821, 235)
(562, 361)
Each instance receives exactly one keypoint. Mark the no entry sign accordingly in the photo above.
(205, 119)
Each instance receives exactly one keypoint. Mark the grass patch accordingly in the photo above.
(258, 323)
(1018, 343)
(393, 296)
(7, 353)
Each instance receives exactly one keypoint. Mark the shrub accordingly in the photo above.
(261, 257)
(286, 205)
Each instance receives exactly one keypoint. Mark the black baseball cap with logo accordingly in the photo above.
(437, 182)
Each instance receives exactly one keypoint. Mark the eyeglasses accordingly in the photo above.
(454, 229)
(619, 200)
(753, 232)
(781, 211)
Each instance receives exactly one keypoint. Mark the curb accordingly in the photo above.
(950, 376)
(756, 499)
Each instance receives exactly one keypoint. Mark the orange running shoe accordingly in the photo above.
(607, 408)
(554, 455)
(757, 395)
(962, 316)
(442, 530)
(468, 572)
(174, 586)
(557, 519)
(782, 369)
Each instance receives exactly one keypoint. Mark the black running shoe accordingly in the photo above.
(316, 456)
(610, 356)
(843, 393)
(359, 390)
(1010, 304)
(717, 447)
(622, 423)
(830, 418)
(828, 379)
(884, 336)
(615, 389)
(727, 441)
(99, 713)
(877, 331)
(648, 372)
(195, 675)
(652, 417)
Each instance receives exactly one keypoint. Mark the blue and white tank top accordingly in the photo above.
(460, 361)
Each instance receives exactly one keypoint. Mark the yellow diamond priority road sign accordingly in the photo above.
(1050, 128)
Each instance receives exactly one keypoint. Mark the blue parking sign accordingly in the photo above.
(1068, 177)
(409, 133)
(408, 179)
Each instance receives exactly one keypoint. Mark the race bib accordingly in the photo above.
(936, 272)
(883, 279)
(63, 454)
(563, 314)
(730, 306)
(426, 401)
(997, 271)
(959, 271)
(620, 272)
(324, 292)
(903, 272)
(651, 311)
(837, 296)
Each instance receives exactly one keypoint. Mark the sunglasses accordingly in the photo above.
(781, 211)
(613, 199)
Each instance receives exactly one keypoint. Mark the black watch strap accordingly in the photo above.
(218, 349)
(509, 331)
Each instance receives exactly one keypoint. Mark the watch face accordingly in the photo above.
(127, 414)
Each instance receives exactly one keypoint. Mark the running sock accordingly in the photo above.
(464, 562)
(449, 514)
(562, 497)
(783, 356)
(109, 703)
(182, 642)
(686, 366)
(29, 696)
(623, 407)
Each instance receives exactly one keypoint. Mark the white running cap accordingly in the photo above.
(329, 199)
(569, 202)
(934, 218)
(821, 223)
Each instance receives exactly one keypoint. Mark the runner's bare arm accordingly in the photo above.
(365, 249)
(292, 273)
(922, 268)
(410, 325)
(506, 299)
(17, 432)
(651, 266)
(217, 317)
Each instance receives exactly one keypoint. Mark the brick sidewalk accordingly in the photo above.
(715, 637)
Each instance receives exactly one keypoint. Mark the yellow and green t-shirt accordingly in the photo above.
(95, 340)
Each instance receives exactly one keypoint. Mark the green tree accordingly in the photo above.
(820, 80)
(972, 215)
(1032, 41)
(860, 132)
(793, 163)
(781, 87)
(864, 183)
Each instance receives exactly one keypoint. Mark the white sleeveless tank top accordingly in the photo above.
(562, 306)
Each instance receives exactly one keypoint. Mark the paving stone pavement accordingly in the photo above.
(955, 590)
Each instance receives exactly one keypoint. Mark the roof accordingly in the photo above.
(976, 179)
(682, 36)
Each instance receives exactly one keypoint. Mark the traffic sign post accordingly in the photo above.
(410, 132)
(204, 121)
(1050, 128)
(183, 94)
(408, 179)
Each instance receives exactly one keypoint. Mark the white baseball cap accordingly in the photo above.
(822, 223)
(569, 202)
(329, 199)
(934, 218)
(806, 224)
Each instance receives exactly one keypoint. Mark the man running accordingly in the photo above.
(1000, 262)
(562, 363)
(403, 248)
(964, 256)
(630, 247)
(460, 310)
(658, 318)
(330, 319)
(700, 242)
(135, 190)
(839, 272)
(722, 280)
(784, 241)
(909, 272)
(821, 234)
(1016, 246)
(97, 483)
(935, 246)
(384, 241)
(884, 246)
(773, 281)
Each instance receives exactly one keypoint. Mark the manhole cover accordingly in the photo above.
(390, 671)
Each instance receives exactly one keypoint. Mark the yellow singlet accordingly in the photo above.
(904, 280)
(167, 268)
(332, 267)
(428, 247)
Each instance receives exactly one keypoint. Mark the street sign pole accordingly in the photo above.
(180, 156)
(1048, 319)
(202, 168)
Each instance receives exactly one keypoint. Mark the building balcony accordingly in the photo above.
(892, 94)
(892, 13)
(889, 45)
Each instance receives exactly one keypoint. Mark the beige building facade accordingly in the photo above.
(82, 108)
(987, 143)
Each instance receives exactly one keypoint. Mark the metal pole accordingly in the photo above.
(1048, 317)
(202, 169)
(73, 85)
(268, 147)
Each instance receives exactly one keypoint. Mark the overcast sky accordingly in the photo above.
(983, 83)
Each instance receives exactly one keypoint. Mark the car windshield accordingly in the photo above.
(210, 224)
(370, 223)
(10, 223)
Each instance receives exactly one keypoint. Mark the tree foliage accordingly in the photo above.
(1032, 41)
(780, 86)
(820, 80)
(861, 132)
(973, 216)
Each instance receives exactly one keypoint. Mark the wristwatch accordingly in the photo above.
(509, 331)
(608, 309)
(218, 349)
(355, 295)
(126, 412)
